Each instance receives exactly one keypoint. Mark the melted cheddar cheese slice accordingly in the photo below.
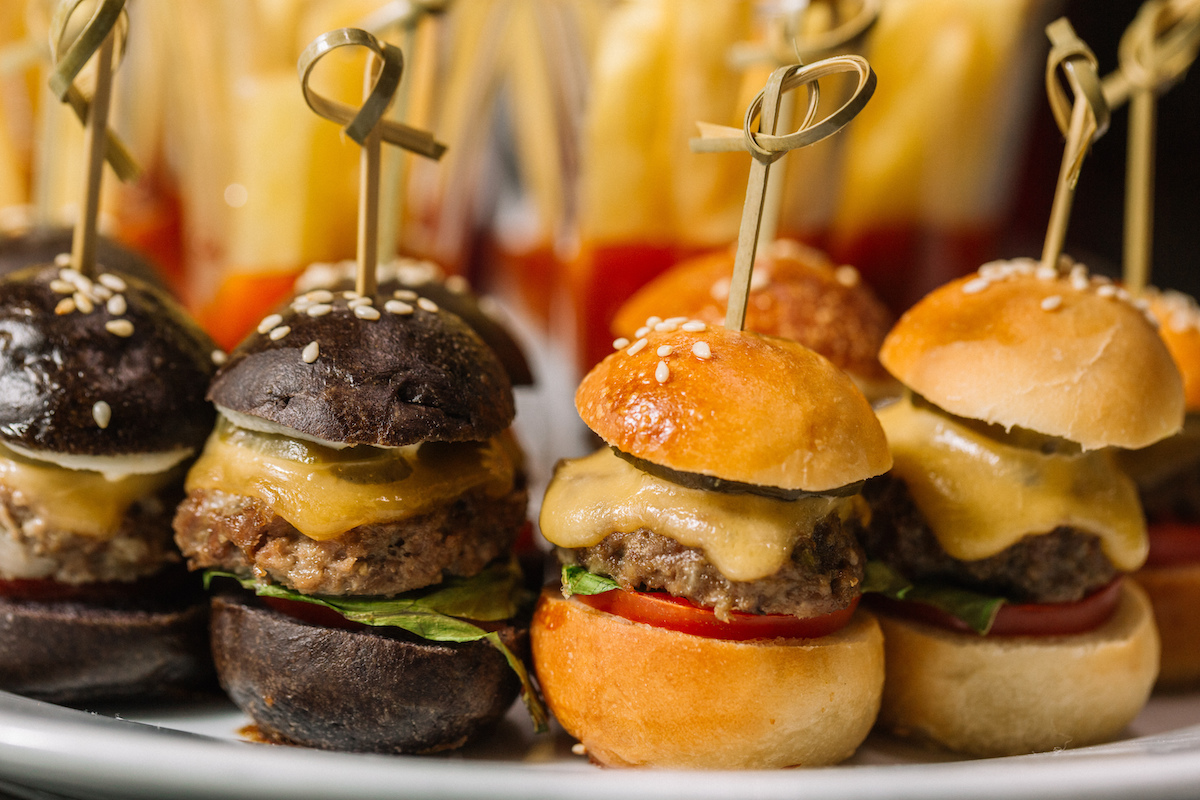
(746, 536)
(81, 501)
(325, 492)
(980, 496)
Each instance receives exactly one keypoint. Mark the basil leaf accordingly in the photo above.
(975, 609)
(427, 615)
(577, 580)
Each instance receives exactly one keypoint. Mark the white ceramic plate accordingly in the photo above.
(196, 751)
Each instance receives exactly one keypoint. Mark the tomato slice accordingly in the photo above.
(1021, 619)
(675, 613)
(312, 613)
(1173, 542)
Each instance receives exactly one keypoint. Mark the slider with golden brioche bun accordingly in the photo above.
(1167, 474)
(1005, 526)
(101, 407)
(711, 574)
(361, 485)
(796, 293)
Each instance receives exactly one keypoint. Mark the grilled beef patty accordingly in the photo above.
(823, 574)
(31, 548)
(1061, 566)
(245, 536)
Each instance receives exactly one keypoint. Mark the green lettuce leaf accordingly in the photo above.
(434, 614)
(977, 610)
(577, 580)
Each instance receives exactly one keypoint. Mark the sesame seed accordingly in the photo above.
(1052, 302)
(300, 304)
(1045, 273)
(366, 312)
(65, 306)
(397, 307)
(101, 292)
(280, 332)
(846, 275)
(1107, 290)
(83, 302)
(1180, 321)
(113, 282)
(116, 305)
(666, 327)
(62, 259)
(360, 301)
(318, 310)
(310, 352)
(662, 373)
(578, 749)
(652, 321)
(1141, 304)
(119, 327)
(620, 344)
(1079, 277)
(426, 304)
(218, 357)
(457, 284)
(82, 284)
(1123, 294)
(405, 294)
(269, 322)
(642, 331)
(637, 347)
(694, 326)
(975, 285)
(62, 287)
(352, 295)
(320, 296)
(102, 413)
(1149, 315)
(665, 350)
(701, 350)
(675, 320)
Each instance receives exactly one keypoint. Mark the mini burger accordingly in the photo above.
(707, 616)
(101, 407)
(361, 487)
(1167, 474)
(796, 292)
(24, 246)
(1001, 535)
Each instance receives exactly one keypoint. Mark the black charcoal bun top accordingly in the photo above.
(426, 279)
(388, 373)
(113, 367)
(33, 246)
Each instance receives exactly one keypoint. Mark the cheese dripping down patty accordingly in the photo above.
(745, 536)
(324, 492)
(87, 495)
(980, 496)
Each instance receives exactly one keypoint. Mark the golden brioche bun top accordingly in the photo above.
(796, 293)
(734, 405)
(1061, 354)
(1179, 325)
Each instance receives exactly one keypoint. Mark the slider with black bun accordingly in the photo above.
(101, 407)
(796, 292)
(711, 572)
(1167, 474)
(362, 486)
(1000, 539)
(26, 247)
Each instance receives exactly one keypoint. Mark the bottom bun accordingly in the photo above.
(1008, 695)
(638, 695)
(77, 652)
(378, 690)
(1174, 593)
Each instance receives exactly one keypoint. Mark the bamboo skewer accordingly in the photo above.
(766, 147)
(99, 39)
(367, 127)
(1157, 48)
(1082, 121)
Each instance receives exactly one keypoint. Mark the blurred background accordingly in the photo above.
(568, 182)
